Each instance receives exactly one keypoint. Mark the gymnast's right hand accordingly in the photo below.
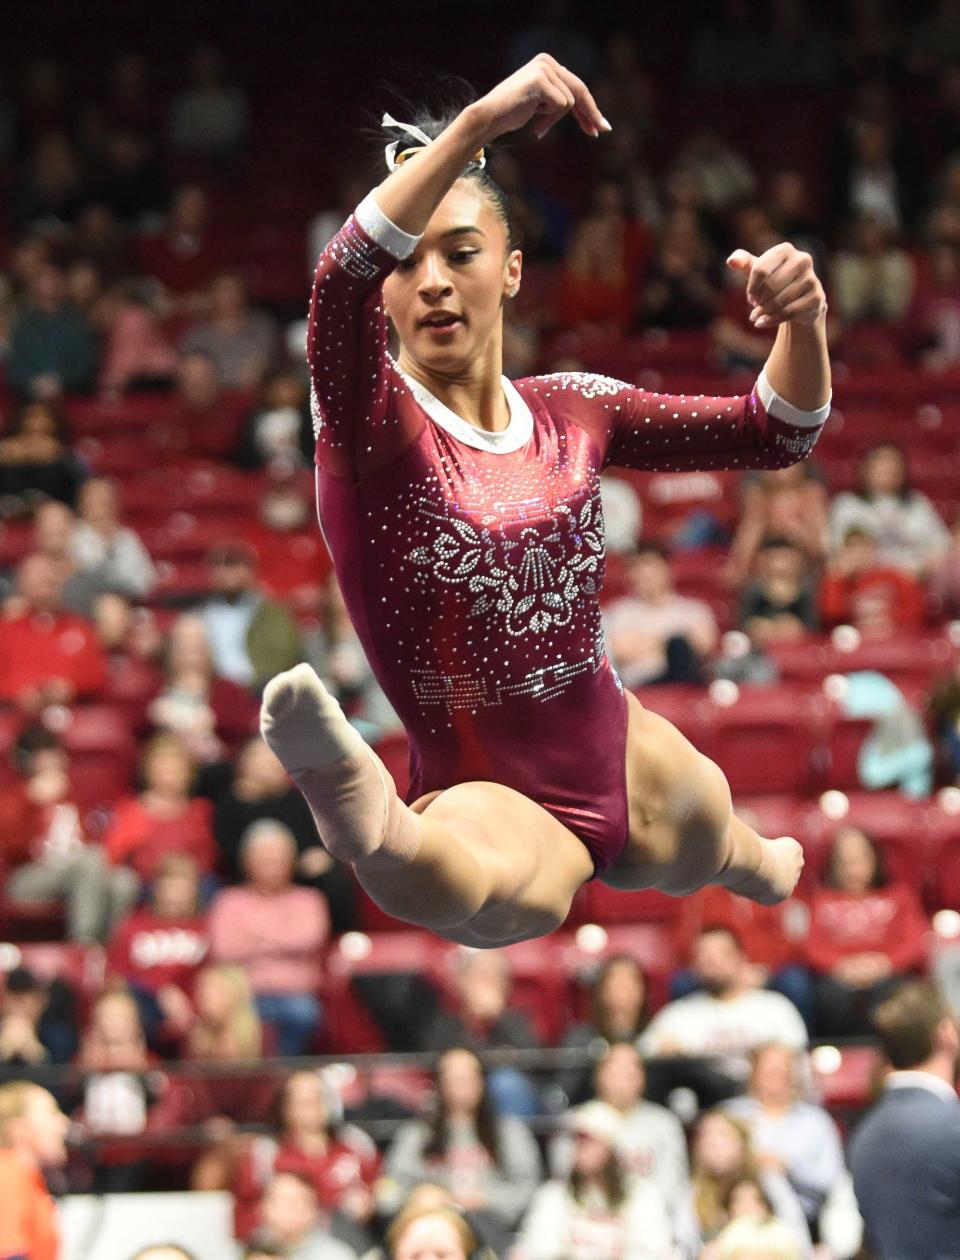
(544, 90)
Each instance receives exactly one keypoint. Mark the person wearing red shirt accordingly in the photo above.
(164, 818)
(861, 591)
(47, 655)
(182, 257)
(159, 949)
(865, 936)
(44, 849)
(339, 1160)
(33, 1132)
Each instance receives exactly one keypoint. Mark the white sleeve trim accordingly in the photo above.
(783, 410)
(380, 229)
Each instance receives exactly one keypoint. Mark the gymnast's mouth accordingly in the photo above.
(441, 319)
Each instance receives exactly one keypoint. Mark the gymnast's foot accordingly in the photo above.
(775, 879)
(350, 793)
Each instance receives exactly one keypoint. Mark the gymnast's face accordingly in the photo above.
(446, 299)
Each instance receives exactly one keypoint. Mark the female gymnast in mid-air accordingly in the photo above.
(462, 511)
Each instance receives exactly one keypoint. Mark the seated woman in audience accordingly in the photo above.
(489, 1164)
(608, 254)
(722, 1159)
(211, 715)
(598, 1211)
(789, 503)
(618, 1012)
(293, 1222)
(159, 949)
(311, 1140)
(101, 543)
(907, 527)
(36, 461)
(753, 1230)
(226, 1028)
(866, 935)
(163, 818)
(789, 1135)
(425, 1230)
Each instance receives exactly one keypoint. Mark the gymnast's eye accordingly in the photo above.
(463, 255)
(406, 264)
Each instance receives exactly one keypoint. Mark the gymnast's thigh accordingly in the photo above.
(535, 864)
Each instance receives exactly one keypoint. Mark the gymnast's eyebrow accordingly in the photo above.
(460, 231)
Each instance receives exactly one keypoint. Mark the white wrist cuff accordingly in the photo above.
(381, 231)
(783, 410)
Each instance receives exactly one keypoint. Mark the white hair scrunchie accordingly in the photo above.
(390, 152)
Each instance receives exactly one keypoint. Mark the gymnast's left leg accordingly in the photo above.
(683, 833)
(479, 863)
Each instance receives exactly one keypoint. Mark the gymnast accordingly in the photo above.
(462, 511)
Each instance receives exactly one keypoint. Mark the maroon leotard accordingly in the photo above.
(471, 563)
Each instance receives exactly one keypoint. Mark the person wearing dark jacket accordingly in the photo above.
(905, 1155)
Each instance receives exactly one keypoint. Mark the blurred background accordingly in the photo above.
(168, 177)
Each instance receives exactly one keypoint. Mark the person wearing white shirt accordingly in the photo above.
(729, 1018)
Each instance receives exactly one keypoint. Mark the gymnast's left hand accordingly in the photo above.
(782, 286)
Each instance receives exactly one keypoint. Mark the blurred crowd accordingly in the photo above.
(144, 360)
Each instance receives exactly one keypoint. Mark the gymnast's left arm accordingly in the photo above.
(778, 422)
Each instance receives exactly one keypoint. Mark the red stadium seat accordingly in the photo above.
(607, 905)
(540, 985)
(652, 946)
(847, 1076)
(766, 739)
(102, 752)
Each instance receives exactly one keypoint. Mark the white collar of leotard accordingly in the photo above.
(516, 434)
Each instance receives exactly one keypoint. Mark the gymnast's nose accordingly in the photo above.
(434, 278)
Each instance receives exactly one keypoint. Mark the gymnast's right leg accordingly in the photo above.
(482, 864)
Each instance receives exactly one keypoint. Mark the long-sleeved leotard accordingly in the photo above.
(471, 562)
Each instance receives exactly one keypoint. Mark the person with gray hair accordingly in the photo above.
(274, 931)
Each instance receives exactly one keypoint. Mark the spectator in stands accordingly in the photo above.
(490, 1165)
(163, 1251)
(859, 589)
(651, 1144)
(618, 1013)
(278, 434)
(656, 636)
(159, 949)
(778, 604)
(338, 1159)
(484, 1019)
(872, 163)
(944, 706)
(789, 1135)
(52, 350)
(432, 1229)
(770, 936)
(133, 181)
(904, 1155)
(261, 789)
(99, 245)
(789, 503)
(598, 1209)
(608, 253)
(47, 655)
(872, 279)
(211, 715)
(54, 528)
(723, 175)
(241, 342)
(131, 641)
(730, 1017)
(753, 1230)
(182, 257)
(36, 461)
(909, 532)
(103, 544)
(33, 1132)
(866, 935)
(137, 352)
(294, 562)
(945, 579)
(342, 664)
(290, 1211)
(224, 1027)
(935, 39)
(123, 1093)
(275, 932)
(36, 1021)
(163, 818)
(723, 1160)
(683, 287)
(252, 637)
(204, 420)
(51, 191)
(933, 322)
(210, 117)
(44, 849)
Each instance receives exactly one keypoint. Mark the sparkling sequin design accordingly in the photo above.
(472, 574)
